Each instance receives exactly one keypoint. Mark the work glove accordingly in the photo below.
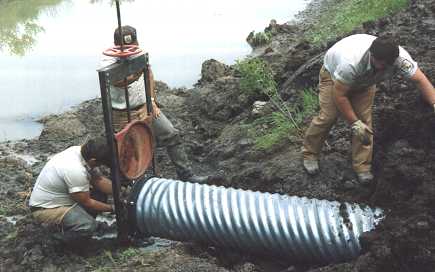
(362, 132)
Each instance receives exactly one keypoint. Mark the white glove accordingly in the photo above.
(362, 131)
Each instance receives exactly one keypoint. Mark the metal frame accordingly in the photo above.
(114, 73)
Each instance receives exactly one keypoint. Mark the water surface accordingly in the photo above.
(50, 49)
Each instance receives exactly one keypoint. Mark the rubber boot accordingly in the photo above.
(182, 165)
(311, 166)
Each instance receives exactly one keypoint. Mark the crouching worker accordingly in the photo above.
(70, 191)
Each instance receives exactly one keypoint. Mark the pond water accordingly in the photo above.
(50, 49)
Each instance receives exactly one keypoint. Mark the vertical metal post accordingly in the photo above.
(118, 15)
(115, 170)
(147, 81)
(127, 100)
(147, 85)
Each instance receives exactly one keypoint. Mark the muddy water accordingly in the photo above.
(49, 50)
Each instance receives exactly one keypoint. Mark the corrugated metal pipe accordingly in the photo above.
(292, 227)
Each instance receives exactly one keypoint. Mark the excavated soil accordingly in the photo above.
(213, 116)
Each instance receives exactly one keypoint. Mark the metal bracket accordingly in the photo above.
(108, 75)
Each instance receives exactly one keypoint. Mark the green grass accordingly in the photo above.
(310, 102)
(273, 129)
(260, 38)
(118, 260)
(256, 76)
(3, 211)
(128, 254)
(270, 130)
(12, 235)
(344, 16)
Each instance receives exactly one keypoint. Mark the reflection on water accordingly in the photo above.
(18, 23)
(50, 49)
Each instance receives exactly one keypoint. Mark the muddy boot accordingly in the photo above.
(311, 166)
(365, 178)
(74, 241)
(182, 165)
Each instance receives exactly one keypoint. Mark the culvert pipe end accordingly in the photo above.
(303, 229)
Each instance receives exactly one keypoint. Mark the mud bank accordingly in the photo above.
(212, 116)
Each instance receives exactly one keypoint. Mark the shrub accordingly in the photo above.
(256, 76)
(259, 39)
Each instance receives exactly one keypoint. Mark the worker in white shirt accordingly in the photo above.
(347, 85)
(67, 190)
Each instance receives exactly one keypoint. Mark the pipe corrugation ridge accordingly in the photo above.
(293, 227)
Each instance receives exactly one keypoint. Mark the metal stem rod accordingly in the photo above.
(118, 15)
(127, 100)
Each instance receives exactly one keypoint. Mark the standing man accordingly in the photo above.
(347, 81)
(66, 191)
(167, 135)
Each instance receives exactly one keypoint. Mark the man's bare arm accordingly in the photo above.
(85, 200)
(340, 94)
(102, 184)
(425, 86)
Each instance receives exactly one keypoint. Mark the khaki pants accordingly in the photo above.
(72, 221)
(53, 216)
(120, 117)
(361, 101)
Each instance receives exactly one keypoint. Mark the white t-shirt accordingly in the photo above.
(136, 90)
(348, 61)
(64, 173)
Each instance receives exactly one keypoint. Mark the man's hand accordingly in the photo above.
(362, 131)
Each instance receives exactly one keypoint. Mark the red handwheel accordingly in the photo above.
(128, 50)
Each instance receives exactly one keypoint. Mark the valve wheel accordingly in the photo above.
(128, 50)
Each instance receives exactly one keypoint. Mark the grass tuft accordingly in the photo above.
(259, 38)
(273, 129)
(286, 121)
(344, 16)
(256, 76)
